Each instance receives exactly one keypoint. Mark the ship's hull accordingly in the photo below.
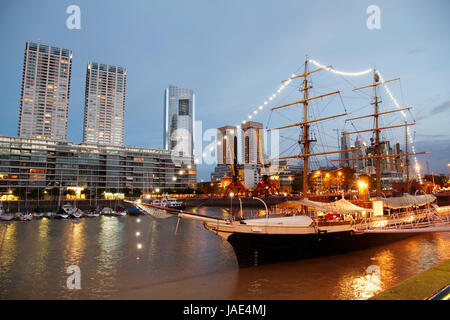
(257, 249)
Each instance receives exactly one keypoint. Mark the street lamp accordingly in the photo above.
(267, 210)
(339, 182)
(231, 203)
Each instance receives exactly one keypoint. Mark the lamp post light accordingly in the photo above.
(241, 214)
(231, 203)
(363, 190)
(265, 205)
(339, 181)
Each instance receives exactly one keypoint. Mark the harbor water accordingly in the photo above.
(139, 257)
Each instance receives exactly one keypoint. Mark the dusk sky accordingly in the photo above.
(234, 54)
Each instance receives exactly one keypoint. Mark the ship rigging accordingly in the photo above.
(304, 227)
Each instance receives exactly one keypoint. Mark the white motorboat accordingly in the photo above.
(75, 213)
(37, 214)
(24, 216)
(92, 213)
(62, 214)
(49, 215)
(5, 216)
(168, 202)
(106, 211)
(69, 211)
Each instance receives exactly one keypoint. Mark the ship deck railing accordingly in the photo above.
(412, 220)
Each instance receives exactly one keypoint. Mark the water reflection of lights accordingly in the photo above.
(41, 250)
(8, 248)
(370, 281)
(367, 285)
(43, 230)
(75, 242)
(110, 241)
(442, 242)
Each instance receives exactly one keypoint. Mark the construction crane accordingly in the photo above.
(269, 184)
(235, 185)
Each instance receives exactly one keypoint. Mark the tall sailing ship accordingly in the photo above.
(297, 229)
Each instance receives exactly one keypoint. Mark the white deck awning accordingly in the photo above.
(341, 206)
(407, 201)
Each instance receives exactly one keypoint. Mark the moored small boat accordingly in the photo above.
(5, 216)
(119, 212)
(92, 213)
(24, 216)
(134, 211)
(75, 213)
(106, 211)
(168, 202)
(37, 214)
(61, 214)
(49, 215)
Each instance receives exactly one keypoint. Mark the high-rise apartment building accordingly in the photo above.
(252, 142)
(104, 104)
(226, 145)
(44, 102)
(179, 117)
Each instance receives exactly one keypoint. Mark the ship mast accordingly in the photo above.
(377, 134)
(378, 156)
(406, 159)
(305, 124)
(306, 142)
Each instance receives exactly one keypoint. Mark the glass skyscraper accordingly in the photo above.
(252, 142)
(104, 104)
(179, 117)
(44, 102)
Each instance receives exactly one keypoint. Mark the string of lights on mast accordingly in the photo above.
(342, 73)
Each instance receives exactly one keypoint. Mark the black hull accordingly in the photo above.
(180, 207)
(257, 249)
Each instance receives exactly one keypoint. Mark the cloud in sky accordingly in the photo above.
(231, 53)
(445, 106)
(416, 50)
